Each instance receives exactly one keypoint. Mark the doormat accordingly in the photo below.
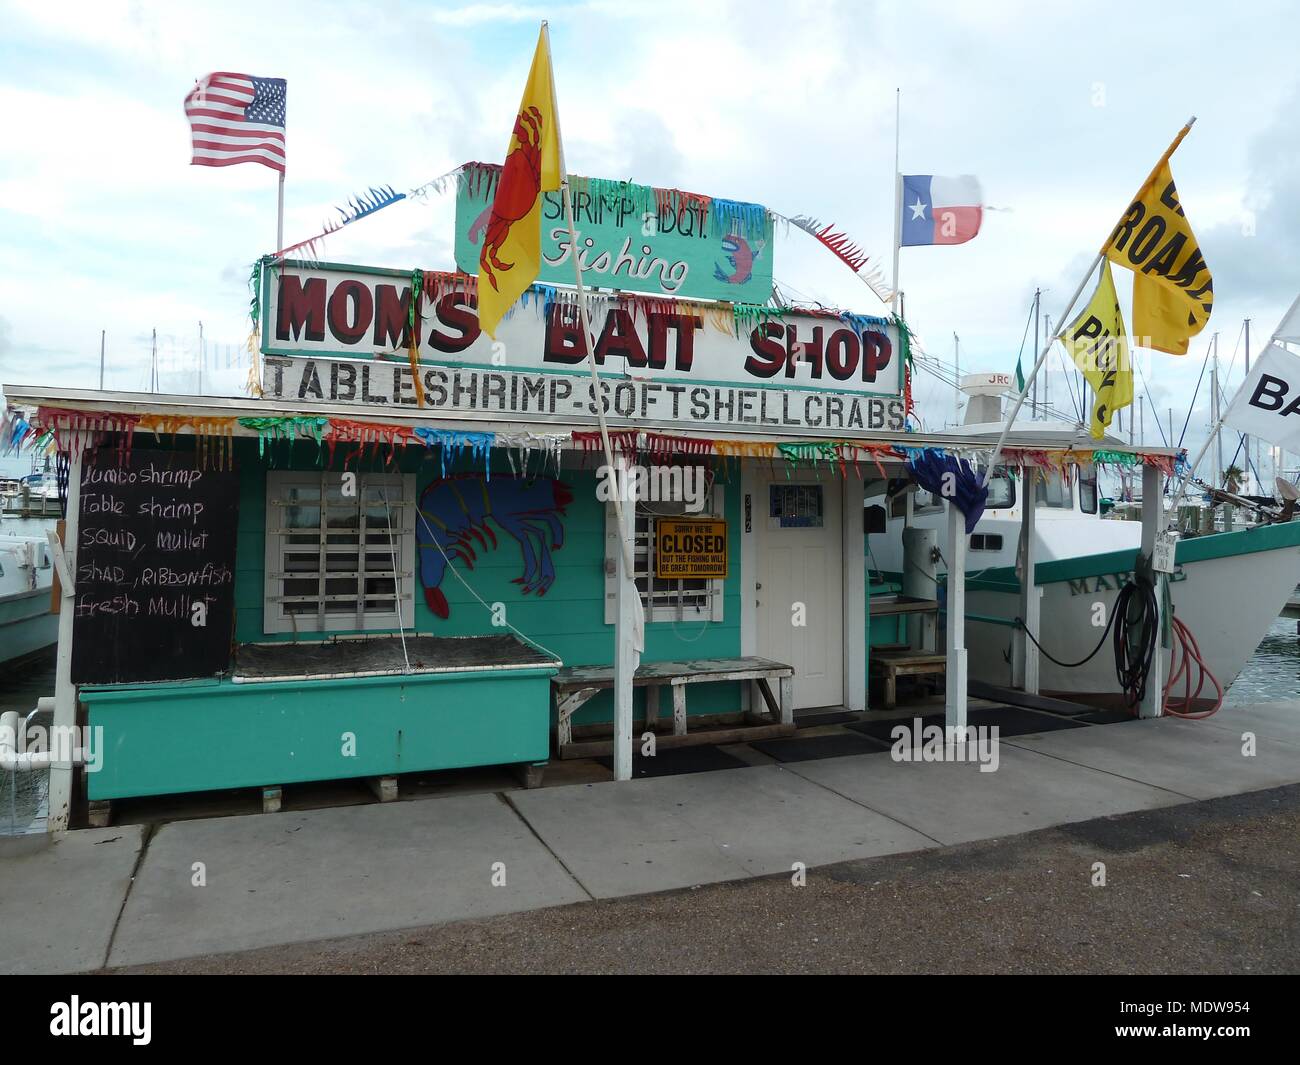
(1106, 717)
(1011, 721)
(815, 718)
(811, 748)
(674, 761)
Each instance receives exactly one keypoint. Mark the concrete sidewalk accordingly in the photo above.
(236, 883)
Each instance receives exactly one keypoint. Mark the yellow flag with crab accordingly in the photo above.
(1098, 345)
(511, 256)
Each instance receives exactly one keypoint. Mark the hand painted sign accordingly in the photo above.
(366, 313)
(155, 568)
(569, 398)
(693, 548)
(453, 517)
(637, 239)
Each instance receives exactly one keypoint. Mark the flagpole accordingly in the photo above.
(898, 200)
(1064, 316)
(1218, 427)
(583, 313)
(279, 214)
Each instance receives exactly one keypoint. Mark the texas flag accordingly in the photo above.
(940, 210)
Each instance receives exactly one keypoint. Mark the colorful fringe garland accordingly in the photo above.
(214, 438)
(68, 430)
(452, 443)
(288, 427)
(373, 435)
(75, 430)
(16, 432)
(621, 441)
(661, 447)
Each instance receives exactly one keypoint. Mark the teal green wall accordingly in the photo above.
(568, 619)
(166, 738)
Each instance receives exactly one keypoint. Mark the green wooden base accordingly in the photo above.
(166, 738)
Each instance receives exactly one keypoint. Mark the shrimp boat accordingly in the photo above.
(26, 571)
(1228, 588)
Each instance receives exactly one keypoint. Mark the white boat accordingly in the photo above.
(26, 572)
(1228, 588)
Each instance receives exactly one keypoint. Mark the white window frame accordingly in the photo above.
(663, 608)
(402, 508)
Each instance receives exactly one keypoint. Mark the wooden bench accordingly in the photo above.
(573, 686)
(895, 664)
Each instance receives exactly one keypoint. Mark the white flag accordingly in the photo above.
(1268, 403)
(1289, 330)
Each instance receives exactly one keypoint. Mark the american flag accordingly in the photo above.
(237, 118)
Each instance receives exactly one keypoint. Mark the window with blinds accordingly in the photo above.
(695, 599)
(339, 562)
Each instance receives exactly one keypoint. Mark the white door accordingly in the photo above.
(800, 587)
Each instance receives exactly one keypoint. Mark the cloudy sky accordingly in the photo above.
(104, 225)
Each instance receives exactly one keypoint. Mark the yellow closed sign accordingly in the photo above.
(690, 547)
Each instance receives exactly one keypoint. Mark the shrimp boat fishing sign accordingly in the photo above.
(632, 237)
(340, 335)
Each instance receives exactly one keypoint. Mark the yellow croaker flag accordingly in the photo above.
(512, 254)
(1097, 343)
(1173, 291)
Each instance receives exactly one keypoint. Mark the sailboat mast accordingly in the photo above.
(1246, 437)
(1214, 414)
(956, 399)
(1033, 402)
(1047, 375)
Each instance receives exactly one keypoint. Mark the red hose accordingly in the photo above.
(1181, 667)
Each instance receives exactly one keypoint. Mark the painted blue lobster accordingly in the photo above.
(454, 512)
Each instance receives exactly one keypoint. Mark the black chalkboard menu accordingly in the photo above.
(155, 568)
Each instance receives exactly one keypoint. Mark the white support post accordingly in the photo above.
(626, 658)
(65, 692)
(1026, 654)
(1153, 521)
(955, 631)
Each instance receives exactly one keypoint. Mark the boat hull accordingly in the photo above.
(26, 624)
(1228, 589)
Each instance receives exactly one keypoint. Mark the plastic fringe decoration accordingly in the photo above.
(810, 451)
(621, 441)
(288, 427)
(661, 447)
(62, 475)
(214, 438)
(359, 207)
(440, 283)
(479, 178)
(15, 432)
(749, 449)
(848, 251)
(75, 430)
(365, 434)
(748, 316)
(414, 328)
(436, 185)
(253, 385)
(521, 446)
(452, 443)
(750, 220)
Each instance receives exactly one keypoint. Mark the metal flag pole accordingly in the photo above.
(1065, 314)
(629, 613)
(898, 201)
(279, 213)
(584, 314)
(1214, 432)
